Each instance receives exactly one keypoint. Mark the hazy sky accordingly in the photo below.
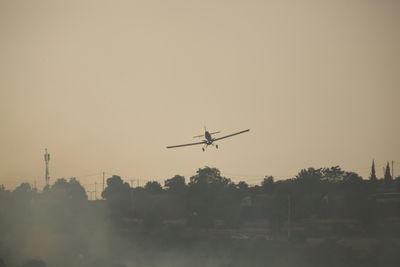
(106, 85)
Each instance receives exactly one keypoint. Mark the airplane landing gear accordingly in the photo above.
(216, 146)
(203, 149)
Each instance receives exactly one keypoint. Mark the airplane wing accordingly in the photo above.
(226, 136)
(191, 144)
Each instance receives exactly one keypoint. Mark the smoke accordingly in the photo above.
(58, 226)
(154, 227)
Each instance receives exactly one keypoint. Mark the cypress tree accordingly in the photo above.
(372, 177)
(388, 175)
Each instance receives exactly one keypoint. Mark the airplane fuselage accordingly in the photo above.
(208, 137)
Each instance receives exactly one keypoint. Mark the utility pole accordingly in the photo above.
(131, 192)
(103, 180)
(288, 230)
(95, 190)
(392, 170)
(46, 160)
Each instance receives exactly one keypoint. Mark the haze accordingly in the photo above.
(106, 85)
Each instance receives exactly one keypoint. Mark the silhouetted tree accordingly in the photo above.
(24, 192)
(68, 190)
(268, 184)
(352, 177)
(332, 174)
(388, 176)
(209, 192)
(308, 181)
(116, 189)
(309, 175)
(209, 175)
(118, 195)
(24, 188)
(372, 176)
(153, 187)
(242, 186)
(176, 184)
(4, 193)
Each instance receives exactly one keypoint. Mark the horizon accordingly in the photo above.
(95, 185)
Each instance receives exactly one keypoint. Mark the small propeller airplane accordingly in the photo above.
(209, 140)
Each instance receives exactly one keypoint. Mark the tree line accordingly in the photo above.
(208, 197)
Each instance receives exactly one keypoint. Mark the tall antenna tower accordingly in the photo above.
(46, 160)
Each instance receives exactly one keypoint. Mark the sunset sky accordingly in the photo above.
(107, 85)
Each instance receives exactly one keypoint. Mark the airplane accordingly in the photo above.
(209, 140)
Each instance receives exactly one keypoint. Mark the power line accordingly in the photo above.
(88, 175)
